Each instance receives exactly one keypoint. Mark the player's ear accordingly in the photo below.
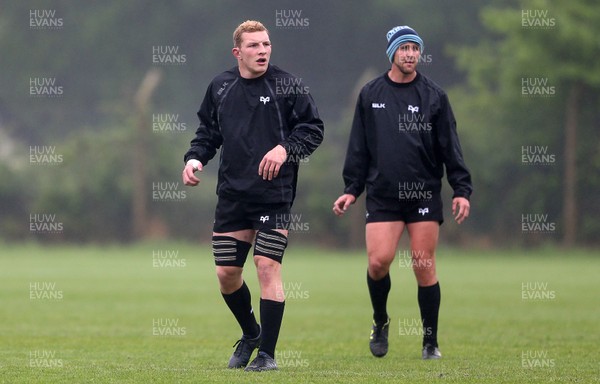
(235, 51)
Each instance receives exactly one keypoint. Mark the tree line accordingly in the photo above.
(98, 102)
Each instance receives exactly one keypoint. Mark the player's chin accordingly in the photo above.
(257, 71)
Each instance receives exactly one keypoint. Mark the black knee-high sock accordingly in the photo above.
(271, 315)
(379, 290)
(240, 304)
(429, 303)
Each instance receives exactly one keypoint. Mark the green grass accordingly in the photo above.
(101, 330)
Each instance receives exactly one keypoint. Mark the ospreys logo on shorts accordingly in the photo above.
(264, 219)
(423, 211)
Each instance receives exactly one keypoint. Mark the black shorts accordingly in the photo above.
(232, 215)
(409, 211)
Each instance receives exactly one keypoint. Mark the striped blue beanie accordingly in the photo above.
(400, 35)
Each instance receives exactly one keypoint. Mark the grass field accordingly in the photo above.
(152, 313)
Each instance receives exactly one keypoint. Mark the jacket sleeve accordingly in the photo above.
(356, 165)
(307, 129)
(450, 149)
(208, 138)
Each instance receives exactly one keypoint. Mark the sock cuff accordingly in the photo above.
(430, 287)
(271, 303)
(385, 278)
(431, 292)
(240, 290)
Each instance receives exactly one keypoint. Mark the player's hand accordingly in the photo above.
(460, 209)
(189, 178)
(271, 163)
(342, 203)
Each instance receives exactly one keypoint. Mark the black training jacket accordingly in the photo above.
(403, 135)
(246, 118)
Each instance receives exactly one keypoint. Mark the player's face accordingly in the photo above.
(407, 57)
(253, 54)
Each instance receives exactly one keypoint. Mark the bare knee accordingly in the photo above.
(230, 278)
(424, 268)
(379, 267)
(382, 240)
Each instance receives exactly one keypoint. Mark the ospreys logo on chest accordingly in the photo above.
(264, 99)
